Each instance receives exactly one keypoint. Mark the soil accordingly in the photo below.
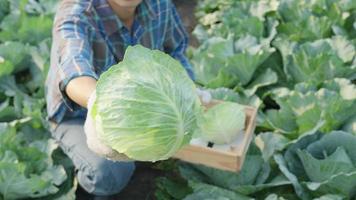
(140, 187)
(142, 184)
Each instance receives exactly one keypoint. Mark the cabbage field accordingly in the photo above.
(293, 59)
(30, 164)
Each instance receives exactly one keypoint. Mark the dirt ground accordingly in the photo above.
(142, 184)
(140, 187)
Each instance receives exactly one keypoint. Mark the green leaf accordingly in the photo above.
(248, 57)
(6, 67)
(210, 192)
(190, 172)
(312, 62)
(270, 143)
(299, 189)
(274, 197)
(292, 10)
(223, 79)
(344, 87)
(41, 7)
(8, 86)
(260, 8)
(226, 94)
(266, 78)
(309, 29)
(4, 8)
(322, 170)
(331, 141)
(175, 189)
(350, 125)
(326, 109)
(16, 53)
(340, 110)
(67, 189)
(14, 184)
(247, 176)
(277, 181)
(344, 48)
(322, 165)
(282, 120)
(340, 184)
(26, 169)
(330, 197)
(309, 120)
(291, 157)
(251, 179)
(210, 57)
(251, 25)
(29, 29)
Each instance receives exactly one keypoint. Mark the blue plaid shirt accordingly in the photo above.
(88, 38)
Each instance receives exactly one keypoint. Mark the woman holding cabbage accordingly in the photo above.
(88, 38)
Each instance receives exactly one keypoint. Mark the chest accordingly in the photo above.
(108, 46)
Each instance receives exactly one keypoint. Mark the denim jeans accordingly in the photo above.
(95, 174)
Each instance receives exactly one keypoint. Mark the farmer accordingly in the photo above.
(89, 36)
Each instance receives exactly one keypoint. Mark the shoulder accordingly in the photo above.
(74, 9)
(73, 13)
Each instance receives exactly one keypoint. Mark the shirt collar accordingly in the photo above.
(110, 20)
(145, 5)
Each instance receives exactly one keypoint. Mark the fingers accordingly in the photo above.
(91, 100)
(204, 96)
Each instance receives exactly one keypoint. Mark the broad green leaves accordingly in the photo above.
(210, 192)
(255, 176)
(234, 47)
(317, 61)
(312, 20)
(302, 111)
(4, 8)
(222, 63)
(15, 57)
(321, 166)
(226, 94)
(30, 20)
(296, 61)
(29, 29)
(26, 168)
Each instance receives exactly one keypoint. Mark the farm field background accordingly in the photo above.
(293, 59)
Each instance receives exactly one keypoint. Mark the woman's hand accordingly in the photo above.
(204, 96)
(93, 140)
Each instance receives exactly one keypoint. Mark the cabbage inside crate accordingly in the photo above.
(228, 157)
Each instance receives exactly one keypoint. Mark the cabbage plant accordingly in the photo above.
(146, 106)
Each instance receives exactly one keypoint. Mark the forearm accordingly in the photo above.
(79, 89)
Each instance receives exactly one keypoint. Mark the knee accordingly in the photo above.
(105, 177)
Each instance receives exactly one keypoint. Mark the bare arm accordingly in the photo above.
(79, 89)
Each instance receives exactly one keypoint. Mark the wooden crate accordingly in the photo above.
(226, 157)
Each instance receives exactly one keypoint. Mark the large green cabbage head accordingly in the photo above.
(146, 105)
